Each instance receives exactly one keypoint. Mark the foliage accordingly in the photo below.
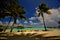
(11, 8)
(43, 8)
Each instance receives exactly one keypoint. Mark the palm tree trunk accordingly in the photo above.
(1, 25)
(13, 24)
(44, 22)
(7, 25)
(12, 27)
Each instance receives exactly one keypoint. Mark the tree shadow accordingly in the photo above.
(54, 37)
(27, 36)
(30, 36)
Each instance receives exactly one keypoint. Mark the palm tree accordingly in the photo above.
(16, 10)
(11, 8)
(2, 10)
(43, 8)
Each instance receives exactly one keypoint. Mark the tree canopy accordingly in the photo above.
(11, 8)
(43, 8)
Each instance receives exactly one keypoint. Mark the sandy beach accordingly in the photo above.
(41, 35)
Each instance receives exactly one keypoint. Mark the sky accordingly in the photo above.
(31, 15)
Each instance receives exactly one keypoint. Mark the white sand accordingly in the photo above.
(47, 33)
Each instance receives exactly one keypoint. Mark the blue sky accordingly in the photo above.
(30, 5)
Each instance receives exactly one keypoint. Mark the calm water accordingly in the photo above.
(15, 29)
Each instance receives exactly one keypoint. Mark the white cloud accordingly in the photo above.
(51, 20)
(31, 22)
(17, 21)
(1, 23)
(34, 23)
(32, 18)
(25, 22)
(37, 11)
(11, 23)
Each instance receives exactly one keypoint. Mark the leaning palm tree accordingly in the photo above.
(2, 9)
(11, 8)
(43, 8)
(16, 10)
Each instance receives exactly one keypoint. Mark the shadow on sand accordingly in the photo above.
(28, 36)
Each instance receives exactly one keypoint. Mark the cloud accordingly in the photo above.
(34, 23)
(17, 21)
(1, 23)
(37, 11)
(32, 18)
(10, 24)
(51, 20)
(25, 22)
(31, 22)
